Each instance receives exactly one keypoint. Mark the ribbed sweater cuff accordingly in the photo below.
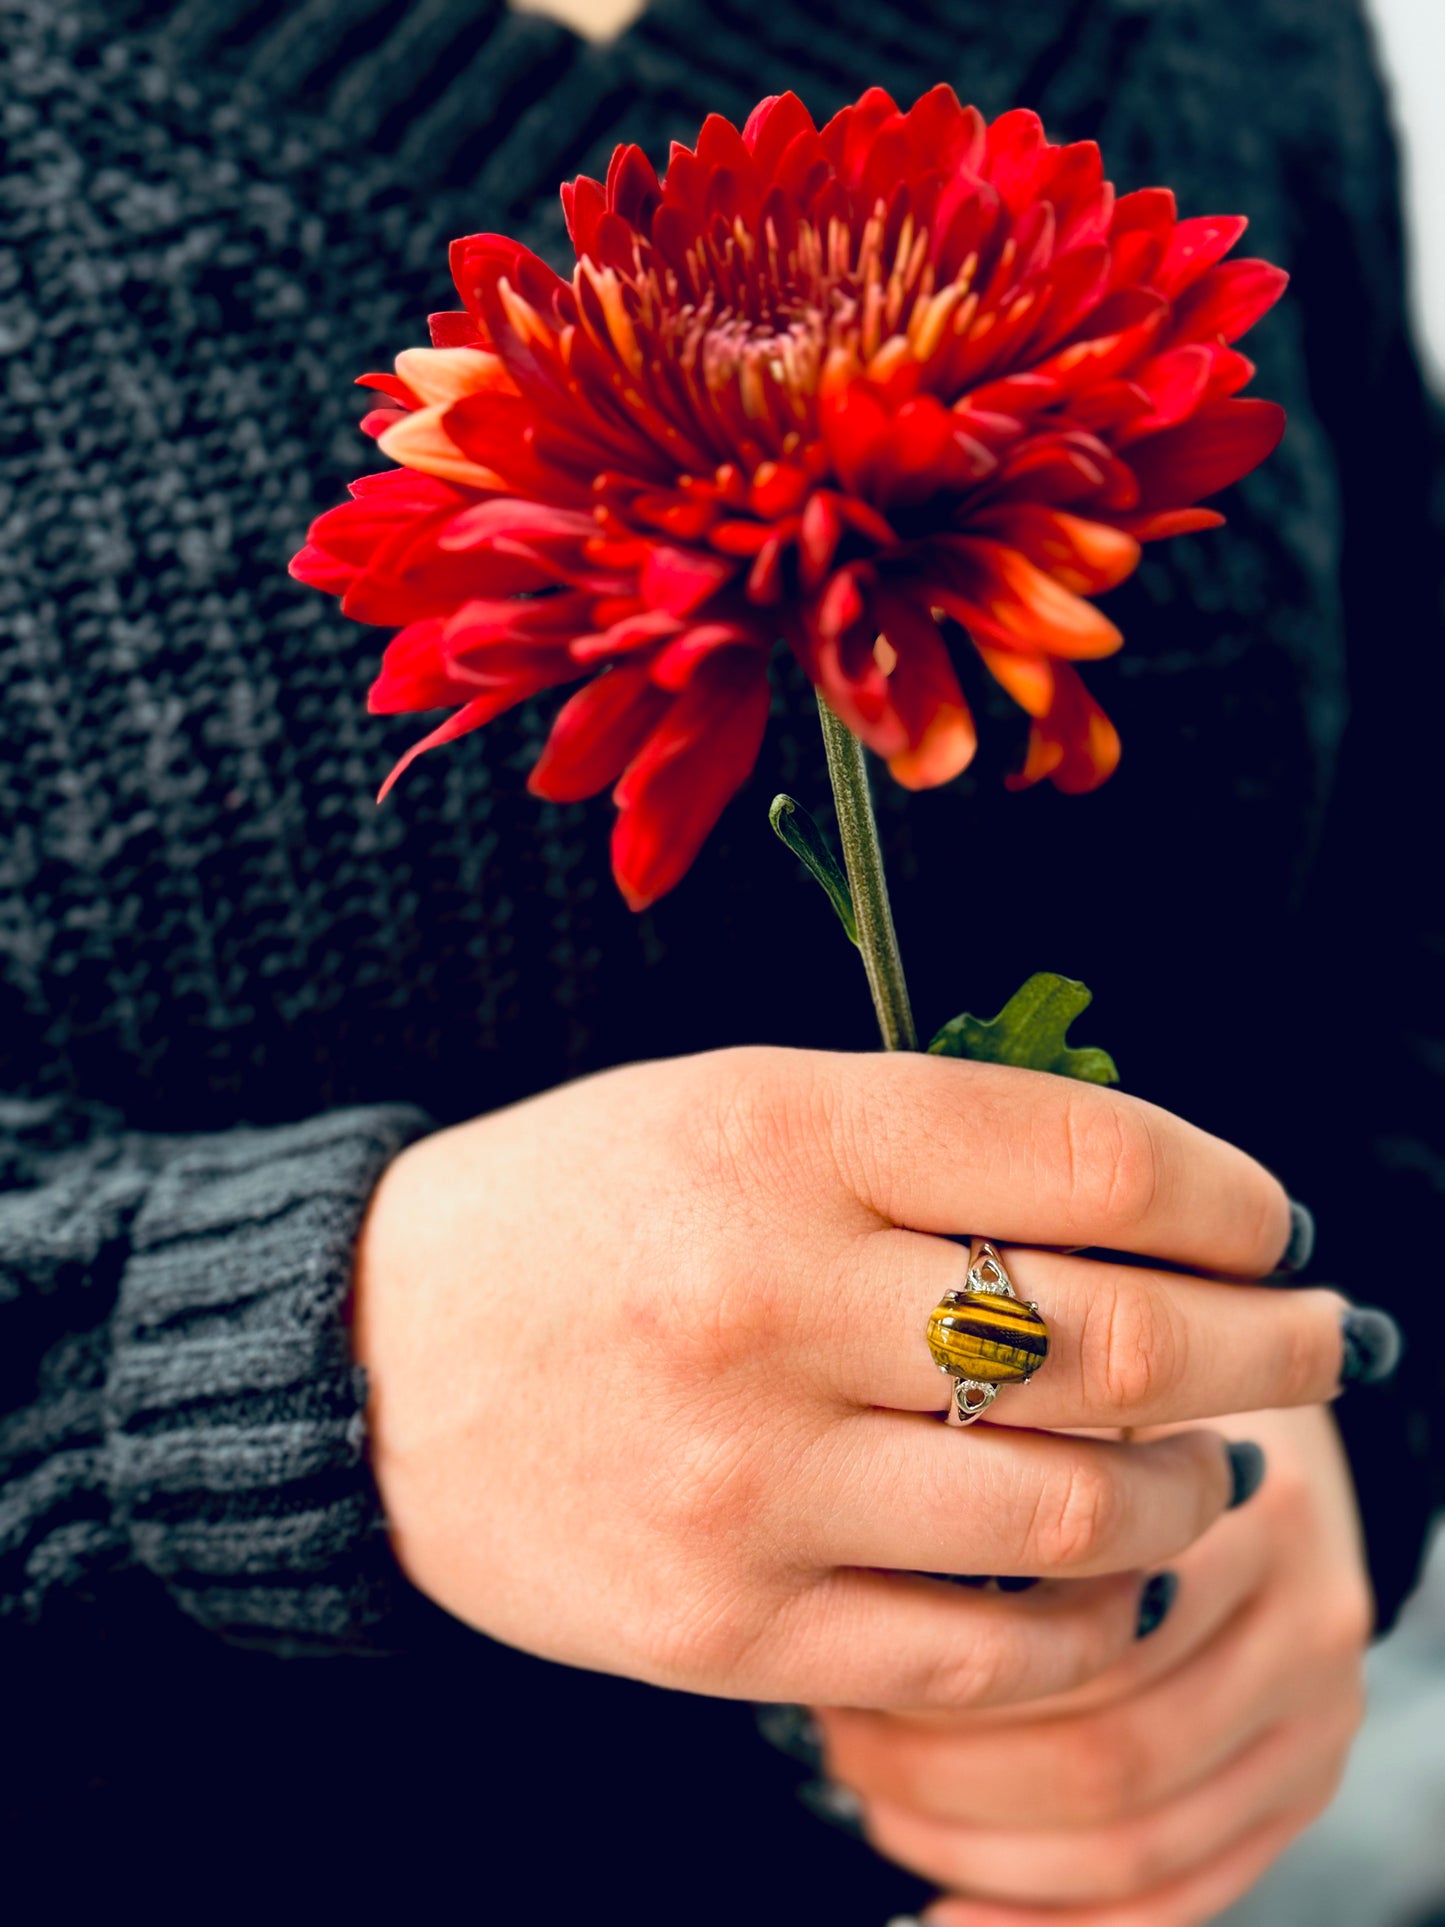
(234, 1411)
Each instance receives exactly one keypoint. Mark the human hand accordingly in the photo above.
(1159, 1793)
(649, 1391)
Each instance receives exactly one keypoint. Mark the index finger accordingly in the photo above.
(940, 1145)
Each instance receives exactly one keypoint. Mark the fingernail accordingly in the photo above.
(1301, 1246)
(1246, 1469)
(1158, 1596)
(833, 1804)
(1373, 1344)
(792, 1730)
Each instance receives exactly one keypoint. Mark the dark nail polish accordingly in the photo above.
(833, 1804)
(1158, 1596)
(1246, 1467)
(794, 1731)
(1017, 1585)
(1301, 1246)
(1373, 1345)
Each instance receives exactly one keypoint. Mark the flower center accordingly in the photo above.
(753, 322)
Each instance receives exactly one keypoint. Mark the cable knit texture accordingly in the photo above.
(230, 987)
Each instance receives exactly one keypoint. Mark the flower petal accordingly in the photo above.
(482, 709)
(1223, 442)
(937, 725)
(596, 734)
(696, 759)
(1074, 744)
(1228, 301)
(998, 592)
(1193, 249)
(446, 374)
(414, 674)
(420, 441)
(1085, 557)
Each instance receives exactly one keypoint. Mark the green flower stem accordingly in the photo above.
(858, 833)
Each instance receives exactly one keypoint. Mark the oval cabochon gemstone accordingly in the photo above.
(985, 1336)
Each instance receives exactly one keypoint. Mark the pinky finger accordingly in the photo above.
(1189, 1902)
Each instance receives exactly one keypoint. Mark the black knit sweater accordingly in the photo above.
(231, 988)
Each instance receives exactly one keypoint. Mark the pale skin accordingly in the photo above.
(649, 1395)
(1157, 1794)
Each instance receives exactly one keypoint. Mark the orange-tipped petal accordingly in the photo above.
(420, 441)
(1085, 557)
(1010, 600)
(446, 374)
(923, 693)
(1074, 744)
(1030, 680)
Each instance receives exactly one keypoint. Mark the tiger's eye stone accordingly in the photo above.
(977, 1334)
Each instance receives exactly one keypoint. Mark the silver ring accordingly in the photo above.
(983, 1335)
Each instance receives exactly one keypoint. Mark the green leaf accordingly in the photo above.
(797, 829)
(1030, 1031)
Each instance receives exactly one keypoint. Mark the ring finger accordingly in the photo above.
(1127, 1345)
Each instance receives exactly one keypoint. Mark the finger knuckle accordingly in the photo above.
(711, 1499)
(1107, 1771)
(1114, 1157)
(701, 1636)
(716, 1312)
(1132, 1347)
(758, 1115)
(969, 1675)
(1075, 1519)
(1128, 1860)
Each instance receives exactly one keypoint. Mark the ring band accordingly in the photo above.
(984, 1335)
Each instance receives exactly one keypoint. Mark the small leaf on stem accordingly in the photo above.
(1030, 1032)
(797, 829)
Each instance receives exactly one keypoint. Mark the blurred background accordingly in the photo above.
(1411, 36)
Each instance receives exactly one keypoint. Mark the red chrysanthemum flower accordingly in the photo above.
(865, 389)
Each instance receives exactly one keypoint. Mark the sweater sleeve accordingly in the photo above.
(177, 1394)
